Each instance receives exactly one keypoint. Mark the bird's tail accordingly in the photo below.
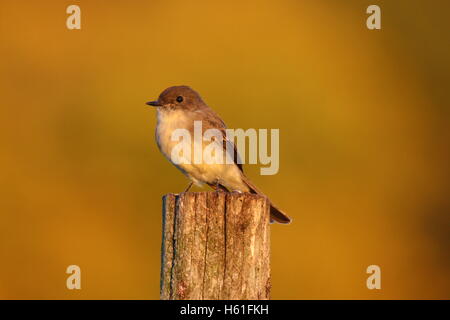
(275, 213)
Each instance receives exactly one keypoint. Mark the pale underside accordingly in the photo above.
(226, 174)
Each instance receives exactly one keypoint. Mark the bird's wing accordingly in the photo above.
(214, 121)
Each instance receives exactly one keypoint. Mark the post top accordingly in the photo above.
(230, 195)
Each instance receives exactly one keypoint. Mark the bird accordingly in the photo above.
(179, 107)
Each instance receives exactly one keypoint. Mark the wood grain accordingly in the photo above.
(216, 245)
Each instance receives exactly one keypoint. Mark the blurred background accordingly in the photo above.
(364, 139)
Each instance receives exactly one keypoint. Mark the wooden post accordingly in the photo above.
(215, 245)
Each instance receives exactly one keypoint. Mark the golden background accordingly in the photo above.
(364, 133)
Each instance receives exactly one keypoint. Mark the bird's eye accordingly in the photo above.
(180, 99)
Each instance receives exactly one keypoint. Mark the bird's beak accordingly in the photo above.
(154, 103)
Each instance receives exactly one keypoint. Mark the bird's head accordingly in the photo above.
(178, 97)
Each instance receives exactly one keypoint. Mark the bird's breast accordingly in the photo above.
(170, 120)
(167, 123)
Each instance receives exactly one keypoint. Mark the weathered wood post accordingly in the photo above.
(215, 245)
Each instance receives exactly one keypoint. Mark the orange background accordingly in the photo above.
(363, 118)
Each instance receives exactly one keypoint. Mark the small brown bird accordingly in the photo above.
(177, 108)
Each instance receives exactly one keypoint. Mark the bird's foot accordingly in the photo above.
(188, 187)
(218, 187)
